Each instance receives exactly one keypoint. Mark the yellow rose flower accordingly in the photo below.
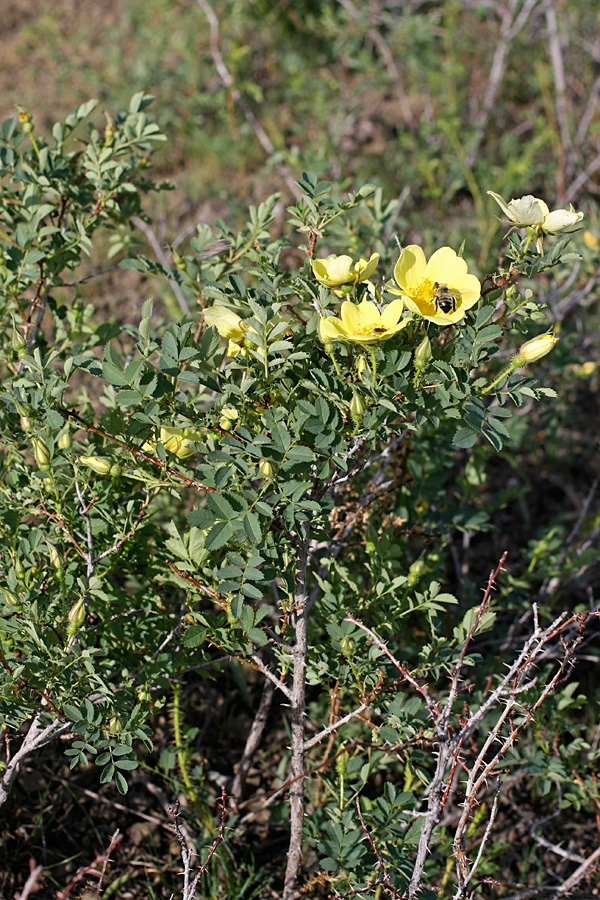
(362, 323)
(337, 270)
(229, 325)
(440, 290)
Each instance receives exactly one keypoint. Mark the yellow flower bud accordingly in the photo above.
(76, 617)
(100, 464)
(54, 557)
(17, 340)
(357, 406)
(363, 366)
(534, 349)
(265, 467)
(423, 353)
(9, 598)
(590, 240)
(65, 441)
(415, 572)
(25, 423)
(41, 454)
(228, 417)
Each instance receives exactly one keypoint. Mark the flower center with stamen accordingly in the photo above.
(424, 293)
(370, 329)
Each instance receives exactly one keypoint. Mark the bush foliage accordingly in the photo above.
(288, 553)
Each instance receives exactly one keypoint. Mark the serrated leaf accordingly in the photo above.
(464, 437)
(121, 783)
(113, 375)
(218, 535)
(107, 774)
(201, 518)
(72, 712)
(252, 527)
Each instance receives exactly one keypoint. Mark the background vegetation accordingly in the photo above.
(435, 103)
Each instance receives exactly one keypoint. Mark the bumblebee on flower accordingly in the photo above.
(439, 289)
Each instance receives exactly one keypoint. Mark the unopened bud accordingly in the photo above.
(534, 349)
(9, 598)
(41, 454)
(100, 464)
(423, 353)
(54, 557)
(228, 417)
(265, 467)
(341, 763)
(415, 572)
(115, 726)
(363, 366)
(65, 441)
(76, 617)
(25, 422)
(17, 339)
(357, 406)
(179, 261)
(347, 645)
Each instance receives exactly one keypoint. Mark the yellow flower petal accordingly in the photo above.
(392, 312)
(409, 271)
(229, 325)
(445, 267)
(331, 329)
(350, 316)
(365, 269)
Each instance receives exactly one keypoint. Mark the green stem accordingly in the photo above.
(374, 361)
(331, 352)
(500, 378)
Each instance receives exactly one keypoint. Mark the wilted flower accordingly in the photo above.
(530, 211)
(362, 323)
(337, 270)
(440, 290)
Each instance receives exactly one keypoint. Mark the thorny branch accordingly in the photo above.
(191, 879)
(452, 731)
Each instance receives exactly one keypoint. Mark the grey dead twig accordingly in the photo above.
(452, 733)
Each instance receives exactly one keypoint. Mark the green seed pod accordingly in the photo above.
(341, 763)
